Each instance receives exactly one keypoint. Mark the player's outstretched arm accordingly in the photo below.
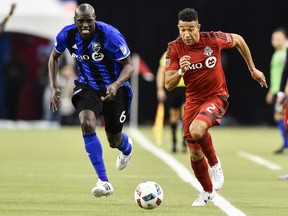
(161, 95)
(53, 71)
(244, 50)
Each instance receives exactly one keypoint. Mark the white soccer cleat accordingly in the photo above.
(102, 188)
(122, 160)
(283, 177)
(217, 175)
(203, 198)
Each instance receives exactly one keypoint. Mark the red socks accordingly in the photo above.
(200, 169)
(208, 149)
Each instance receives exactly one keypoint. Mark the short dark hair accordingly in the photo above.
(188, 15)
(84, 7)
(281, 29)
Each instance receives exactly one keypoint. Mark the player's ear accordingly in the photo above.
(199, 26)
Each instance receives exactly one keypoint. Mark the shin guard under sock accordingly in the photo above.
(94, 150)
(201, 172)
(208, 149)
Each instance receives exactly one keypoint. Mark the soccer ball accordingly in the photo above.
(148, 195)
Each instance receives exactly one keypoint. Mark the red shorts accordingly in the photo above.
(211, 112)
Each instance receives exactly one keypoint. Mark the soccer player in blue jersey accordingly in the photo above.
(104, 66)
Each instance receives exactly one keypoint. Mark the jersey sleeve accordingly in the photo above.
(172, 61)
(60, 43)
(117, 45)
(224, 40)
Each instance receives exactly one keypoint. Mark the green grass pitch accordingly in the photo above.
(47, 172)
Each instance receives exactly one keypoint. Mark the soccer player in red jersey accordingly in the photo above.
(196, 56)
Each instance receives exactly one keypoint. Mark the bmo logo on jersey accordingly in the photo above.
(95, 56)
(210, 62)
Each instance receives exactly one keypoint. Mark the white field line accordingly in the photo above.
(259, 160)
(184, 173)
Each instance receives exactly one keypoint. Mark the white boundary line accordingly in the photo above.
(259, 160)
(182, 171)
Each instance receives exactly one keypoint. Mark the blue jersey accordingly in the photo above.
(98, 60)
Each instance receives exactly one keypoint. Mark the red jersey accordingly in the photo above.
(205, 76)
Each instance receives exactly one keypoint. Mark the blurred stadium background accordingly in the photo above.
(148, 26)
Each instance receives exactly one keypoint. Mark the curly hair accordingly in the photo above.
(188, 15)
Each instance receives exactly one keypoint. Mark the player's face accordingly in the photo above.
(278, 40)
(189, 31)
(85, 22)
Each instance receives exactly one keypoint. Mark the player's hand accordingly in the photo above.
(111, 92)
(184, 63)
(259, 77)
(55, 102)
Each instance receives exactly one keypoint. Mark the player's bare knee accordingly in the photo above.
(87, 126)
(197, 128)
(87, 121)
(196, 134)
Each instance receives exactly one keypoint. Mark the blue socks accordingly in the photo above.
(281, 126)
(94, 150)
(125, 146)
